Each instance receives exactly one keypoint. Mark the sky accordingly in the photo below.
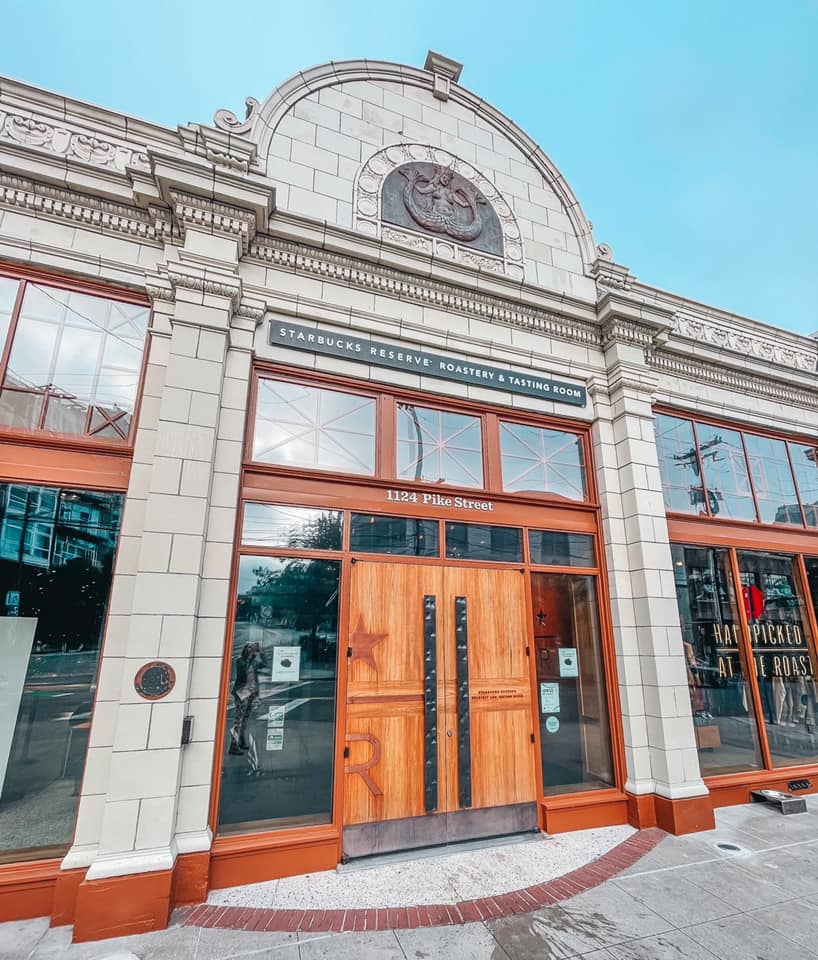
(688, 131)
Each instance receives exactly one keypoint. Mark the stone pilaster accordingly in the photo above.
(660, 746)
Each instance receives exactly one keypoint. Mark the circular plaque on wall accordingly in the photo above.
(154, 680)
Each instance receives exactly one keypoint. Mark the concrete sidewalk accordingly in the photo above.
(745, 891)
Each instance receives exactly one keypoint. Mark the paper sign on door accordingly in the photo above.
(275, 728)
(286, 663)
(569, 665)
(549, 698)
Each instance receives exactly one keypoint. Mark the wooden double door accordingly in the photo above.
(439, 724)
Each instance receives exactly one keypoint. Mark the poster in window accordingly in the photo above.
(286, 663)
(549, 698)
(569, 663)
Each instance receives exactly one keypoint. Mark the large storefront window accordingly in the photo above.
(717, 674)
(280, 726)
(716, 471)
(74, 361)
(573, 707)
(783, 651)
(57, 551)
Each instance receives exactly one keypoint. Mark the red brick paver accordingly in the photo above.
(437, 914)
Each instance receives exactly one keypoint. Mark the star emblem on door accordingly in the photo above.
(362, 643)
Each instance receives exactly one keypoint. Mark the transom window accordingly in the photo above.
(733, 474)
(74, 360)
(302, 426)
(318, 428)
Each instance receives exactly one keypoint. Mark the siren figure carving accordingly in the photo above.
(437, 204)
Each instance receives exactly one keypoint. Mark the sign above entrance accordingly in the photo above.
(366, 350)
(439, 500)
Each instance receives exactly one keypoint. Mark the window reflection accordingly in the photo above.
(477, 541)
(573, 707)
(8, 294)
(439, 446)
(782, 648)
(720, 695)
(74, 363)
(400, 536)
(542, 461)
(301, 426)
(725, 473)
(280, 729)
(679, 465)
(554, 548)
(56, 559)
(805, 466)
(772, 480)
(270, 525)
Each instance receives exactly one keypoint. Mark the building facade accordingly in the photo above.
(353, 499)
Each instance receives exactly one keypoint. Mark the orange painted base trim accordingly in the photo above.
(685, 816)
(641, 810)
(732, 789)
(66, 888)
(602, 808)
(253, 859)
(121, 906)
(27, 889)
(190, 878)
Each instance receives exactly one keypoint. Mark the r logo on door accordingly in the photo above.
(362, 769)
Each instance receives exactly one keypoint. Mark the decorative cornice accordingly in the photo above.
(364, 275)
(227, 120)
(219, 285)
(191, 210)
(746, 344)
(252, 310)
(610, 275)
(701, 371)
(44, 200)
(620, 330)
(42, 133)
(367, 210)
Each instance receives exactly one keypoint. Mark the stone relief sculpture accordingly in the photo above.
(438, 200)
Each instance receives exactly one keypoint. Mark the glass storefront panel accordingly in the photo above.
(556, 549)
(301, 426)
(678, 465)
(477, 541)
(439, 447)
(280, 731)
(772, 480)
(57, 552)
(805, 466)
(271, 525)
(573, 704)
(74, 363)
(8, 294)
(725, 473)
(399, 536)
(535, 460)
(720, 695)
(783, 651)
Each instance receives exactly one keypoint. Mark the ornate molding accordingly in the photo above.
(44, 200)
(622, 330)
(43, 134)
(701, 371)
(610, 275)
(216, 285)
(363, 275)
(251, 310)
(746, 344)
(367, 210)
(196, 211)
(227, 120)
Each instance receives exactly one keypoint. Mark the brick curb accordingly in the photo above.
(530, 898)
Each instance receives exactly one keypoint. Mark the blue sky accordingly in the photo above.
(688, 131)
